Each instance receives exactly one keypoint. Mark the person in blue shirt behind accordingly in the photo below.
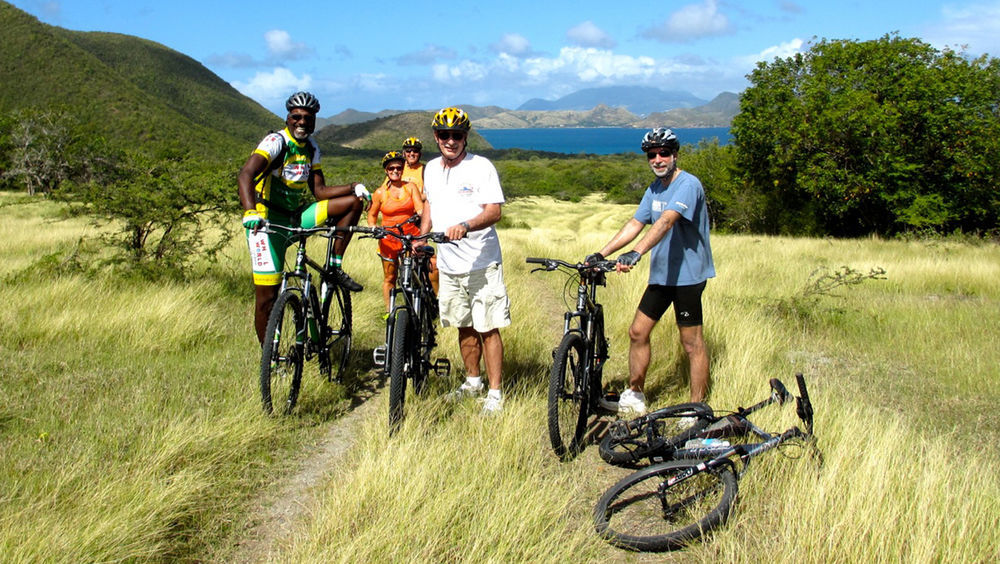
(679, 266)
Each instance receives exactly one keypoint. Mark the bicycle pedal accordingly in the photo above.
(442, 367)
(379, 356)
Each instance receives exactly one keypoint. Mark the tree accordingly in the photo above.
(38, 153)
(879, 136)
(164, 209)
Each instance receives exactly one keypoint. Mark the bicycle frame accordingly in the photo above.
(300, 280)
(737, 424)
(589, 315)
(412, 293)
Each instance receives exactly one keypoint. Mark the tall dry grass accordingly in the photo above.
(130, 426)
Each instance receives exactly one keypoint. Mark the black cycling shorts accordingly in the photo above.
(685, 299)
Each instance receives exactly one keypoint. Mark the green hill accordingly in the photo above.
(123, 88)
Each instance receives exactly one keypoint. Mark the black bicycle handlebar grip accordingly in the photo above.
(781, 390)
(803, 407)
(534, 260)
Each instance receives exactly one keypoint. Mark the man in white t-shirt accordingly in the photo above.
(462, 199)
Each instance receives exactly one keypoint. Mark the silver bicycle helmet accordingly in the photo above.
(660, 137)
(302, 100)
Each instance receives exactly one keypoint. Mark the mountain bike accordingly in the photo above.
(575, 389)
(305, 322)
(411, 328)
(671, 503)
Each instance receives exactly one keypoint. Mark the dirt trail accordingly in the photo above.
(277, 515)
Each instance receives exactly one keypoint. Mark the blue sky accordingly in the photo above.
(413, 55)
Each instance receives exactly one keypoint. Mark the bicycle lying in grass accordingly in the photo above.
(411, 328)
(575, 389)
(692, 487)
(305, 322)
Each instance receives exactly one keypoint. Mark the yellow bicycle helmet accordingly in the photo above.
(392, 156)
(451, 119)
(412, 143)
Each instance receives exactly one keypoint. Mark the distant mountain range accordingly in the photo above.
(639, 100)
(608, 111)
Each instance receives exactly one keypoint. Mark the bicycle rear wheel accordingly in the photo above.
(627, 445)
(567, 409)
(425, 347)
(282, 355)
(340, 336)
(643, 512)
(397, 367)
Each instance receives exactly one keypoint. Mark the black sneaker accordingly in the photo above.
(341, 277)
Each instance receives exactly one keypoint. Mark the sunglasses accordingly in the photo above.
(446, 135)
(300, 117)
(411, 150)
(394, 168)
(662, 152)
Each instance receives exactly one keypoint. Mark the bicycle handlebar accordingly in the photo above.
(803, 407)
(268, 227)
(553, 264)
(375, 232)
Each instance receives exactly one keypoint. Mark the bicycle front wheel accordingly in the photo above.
(397, 367)
(282, 355)
(644, 512)
(339, 316)
(567, 411)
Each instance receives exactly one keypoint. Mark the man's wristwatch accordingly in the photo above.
(465, 224)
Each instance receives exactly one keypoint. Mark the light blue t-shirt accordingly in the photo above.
(684, 256)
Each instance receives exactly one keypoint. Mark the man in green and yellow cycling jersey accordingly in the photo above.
(279, 183)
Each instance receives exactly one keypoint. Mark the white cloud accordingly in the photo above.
(272, 88)
(512, 44)
(593, 65)
(780, 51)
(587, 34)
(690, 22)
(280, 45)
(975, 26)
(463, 71)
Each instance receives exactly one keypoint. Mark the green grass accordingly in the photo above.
(130, 426)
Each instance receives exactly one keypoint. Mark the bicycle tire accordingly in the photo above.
(397, 369)
(631, 450)
(282, 354)
(567, 405)
(642, 513)
(340, 333)
(423, 360)
(600, 341)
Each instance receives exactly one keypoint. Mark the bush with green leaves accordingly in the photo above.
(162, 211)
(881, 136)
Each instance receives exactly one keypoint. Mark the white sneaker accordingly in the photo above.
(492, 405)
(466, 390)
(632, 401)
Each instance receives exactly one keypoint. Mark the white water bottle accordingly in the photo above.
(706, 443)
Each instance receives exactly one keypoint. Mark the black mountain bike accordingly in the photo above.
(575, 388)
(305, 323)
(411, 328)
(671, 503)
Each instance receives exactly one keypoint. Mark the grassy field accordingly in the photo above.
(130, 426)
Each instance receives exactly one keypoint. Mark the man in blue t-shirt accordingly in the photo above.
(680, 264)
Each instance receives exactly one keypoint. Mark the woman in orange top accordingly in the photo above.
(397, 200)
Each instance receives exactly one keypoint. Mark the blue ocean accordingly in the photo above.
(593, 140)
